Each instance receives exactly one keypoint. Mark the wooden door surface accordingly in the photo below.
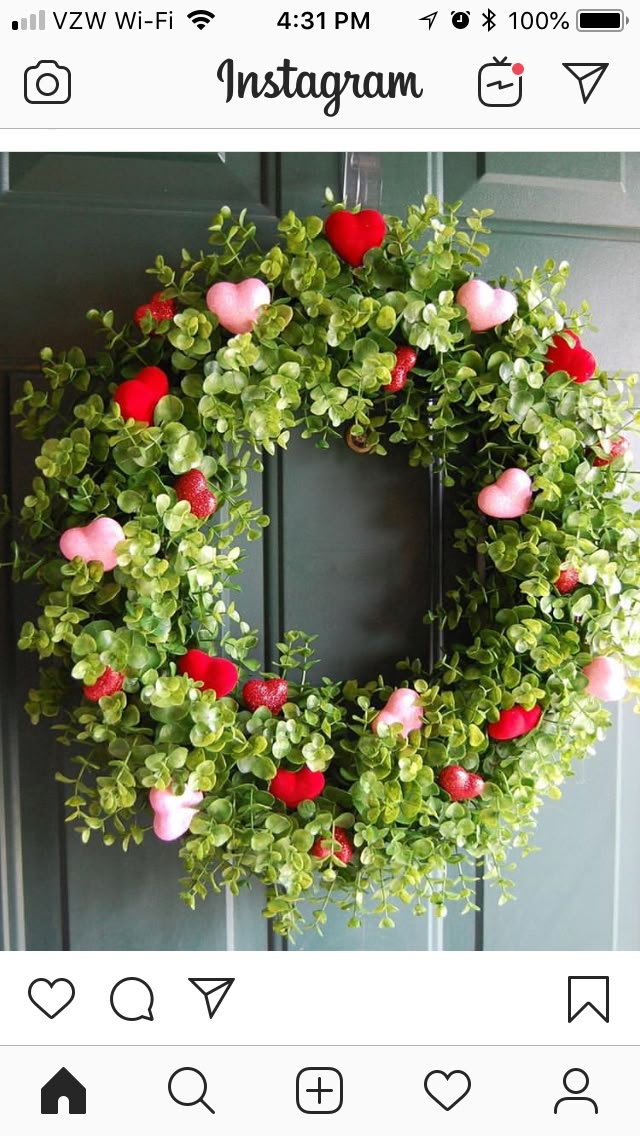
(77, 231)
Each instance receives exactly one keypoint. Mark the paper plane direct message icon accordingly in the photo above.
(214, 991)
(589, 993)
(588, 76)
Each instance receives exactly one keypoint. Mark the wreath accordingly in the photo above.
(371, 793)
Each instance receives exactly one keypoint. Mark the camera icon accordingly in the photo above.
(47, 82)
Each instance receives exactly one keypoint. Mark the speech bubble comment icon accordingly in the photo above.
(132, 1000)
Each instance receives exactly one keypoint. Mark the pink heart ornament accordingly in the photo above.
(173, 814)
(607, 678)
(402, 706)
(95, 541)
(486, 307)
(509, 496)
(237, 306)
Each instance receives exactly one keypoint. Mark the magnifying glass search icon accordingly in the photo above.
(188, 1086)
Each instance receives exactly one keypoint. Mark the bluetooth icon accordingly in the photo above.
(489, 20)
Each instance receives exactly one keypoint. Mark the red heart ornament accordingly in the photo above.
(216, 674)
(514, 723)
(294, 788)
(351, 235)
(568, 579)
(406, 359)
(617, 449)
(110, 682)
(460, 784)
(323, 847)
(138, 398)
(271, 692)
(157, 308)
(571, 357)
(193, 487)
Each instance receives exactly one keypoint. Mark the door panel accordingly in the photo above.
(580, 890)
(567, 189)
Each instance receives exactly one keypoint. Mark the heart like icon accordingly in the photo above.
(447, 1089)
(51, 997)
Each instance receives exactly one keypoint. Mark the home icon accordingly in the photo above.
(63, 1084)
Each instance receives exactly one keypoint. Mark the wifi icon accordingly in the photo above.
(201, 18)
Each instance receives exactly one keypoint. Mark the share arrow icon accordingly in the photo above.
(431, 19)
(588, 76)
(214, 990)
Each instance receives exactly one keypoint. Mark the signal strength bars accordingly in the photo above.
(30, 23)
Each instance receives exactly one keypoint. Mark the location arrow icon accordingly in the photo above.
(214, 990)
(588, 76)
(431, 19)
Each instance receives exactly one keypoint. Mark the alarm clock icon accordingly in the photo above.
(460, 20)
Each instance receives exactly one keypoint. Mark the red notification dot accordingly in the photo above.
(518, 69)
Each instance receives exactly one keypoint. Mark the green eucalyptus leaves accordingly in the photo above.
(318, 361)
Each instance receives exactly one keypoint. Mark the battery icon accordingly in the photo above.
(601, 20)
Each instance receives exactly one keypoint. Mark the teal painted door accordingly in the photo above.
(78, 231)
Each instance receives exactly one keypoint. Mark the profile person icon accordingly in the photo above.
(576, 1082)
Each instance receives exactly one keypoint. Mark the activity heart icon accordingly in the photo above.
(351, 235)
(607, 679)
(238, 306)
(138, 398)
(486, 307)
(514, 723)
(571, 357)
(270, 692)
(51, 997)
(292, 788)
(173, 813)
(509, 496)
(215, 673)
(402, 707)
(95, 541)
(460, 784)
(447, 1089)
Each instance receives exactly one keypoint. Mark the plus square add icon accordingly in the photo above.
(319, 1090)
